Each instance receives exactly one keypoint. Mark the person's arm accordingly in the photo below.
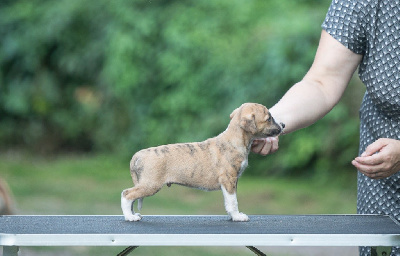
(321, 88)
(317, 93)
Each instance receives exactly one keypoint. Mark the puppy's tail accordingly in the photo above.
(139, 204)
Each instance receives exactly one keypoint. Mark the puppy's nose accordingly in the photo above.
(283, 125)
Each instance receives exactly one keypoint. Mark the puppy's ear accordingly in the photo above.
(234, 113)
(248, 123)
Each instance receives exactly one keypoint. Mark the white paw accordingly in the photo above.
(132, 217)
(240, 217)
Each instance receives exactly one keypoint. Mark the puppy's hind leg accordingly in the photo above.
(129, 196)
(127, 208)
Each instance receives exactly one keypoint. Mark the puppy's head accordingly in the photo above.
(255, 119)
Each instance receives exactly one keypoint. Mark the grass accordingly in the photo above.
(85, 185)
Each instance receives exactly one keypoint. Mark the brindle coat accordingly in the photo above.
(216, 163)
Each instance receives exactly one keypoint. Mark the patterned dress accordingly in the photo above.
(372, 28)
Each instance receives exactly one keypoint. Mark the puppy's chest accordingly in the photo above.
(243, 166)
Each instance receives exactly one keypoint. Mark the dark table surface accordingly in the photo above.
(164, 224)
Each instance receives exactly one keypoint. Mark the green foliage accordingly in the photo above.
(122, 75)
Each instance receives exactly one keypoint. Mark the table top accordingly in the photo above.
(199, 230)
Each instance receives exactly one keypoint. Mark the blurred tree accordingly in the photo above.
(122, 75)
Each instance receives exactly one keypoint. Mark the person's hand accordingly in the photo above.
(265, 146)
(380, 160)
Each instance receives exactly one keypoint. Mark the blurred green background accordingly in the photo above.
(118, 76)
(85, 84)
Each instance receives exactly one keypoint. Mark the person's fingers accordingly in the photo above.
(375, 159)
(375, 147)
(372, 171)
(257, 146)
(266, 149)
(265, 146)
(365, 168)
(275, 144)
(381, 159)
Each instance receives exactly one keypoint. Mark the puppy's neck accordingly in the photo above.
(238, 138)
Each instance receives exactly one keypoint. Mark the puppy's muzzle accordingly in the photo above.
(277, 130)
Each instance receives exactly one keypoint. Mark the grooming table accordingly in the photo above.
(261, 230)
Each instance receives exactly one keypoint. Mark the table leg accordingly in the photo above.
(256, 251)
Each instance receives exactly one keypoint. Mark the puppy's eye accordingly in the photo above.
(269, 119)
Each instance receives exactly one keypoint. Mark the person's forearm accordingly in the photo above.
(321, 88)
(305, 103)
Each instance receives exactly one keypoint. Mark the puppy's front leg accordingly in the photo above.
(231, 206)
